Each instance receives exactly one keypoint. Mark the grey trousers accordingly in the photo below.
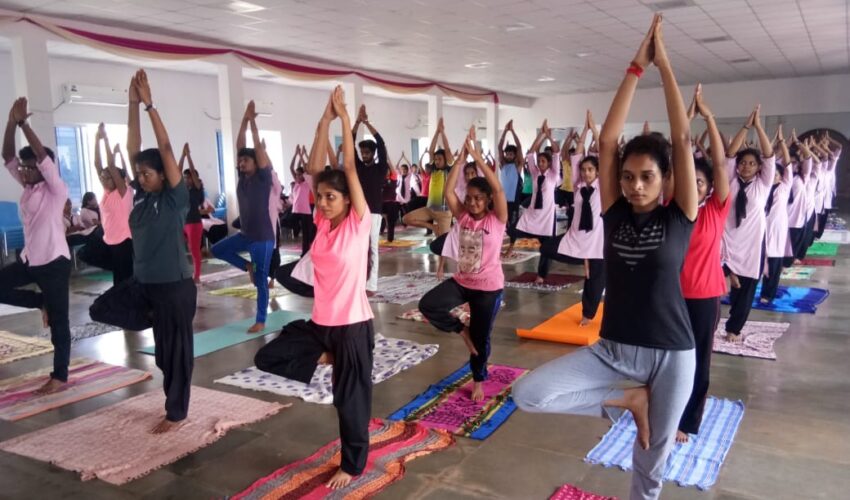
(580, 382)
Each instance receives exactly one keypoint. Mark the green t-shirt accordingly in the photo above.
(436, 189)
(156, 224)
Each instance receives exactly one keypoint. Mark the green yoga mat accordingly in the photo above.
(820, 249)
(234, 333)
(99, 276)
(423, 250)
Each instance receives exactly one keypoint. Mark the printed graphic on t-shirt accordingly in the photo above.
(633, 247)
(471, 244)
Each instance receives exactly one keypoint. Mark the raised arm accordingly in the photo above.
(193, 173)
(118, 181)
(117, 153)
(764, 140)
(433, 147)
(783, 148)
(541, 136)
(241, 136)
(295, 157)
(9, 139)
(448, 149)
(502, 143)
(740, 137)
(500, 202)
(98, 162)
(171, 170)
(718, 151)
(134, 130)
(455, 205)
(263, 160)
(684, 174)
(355, 190)
(609, 185)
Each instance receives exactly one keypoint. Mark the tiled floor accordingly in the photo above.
(792, 444)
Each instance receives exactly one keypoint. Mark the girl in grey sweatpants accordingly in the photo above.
(580, 382)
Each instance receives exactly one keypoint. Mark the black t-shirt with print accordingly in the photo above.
(643, 259)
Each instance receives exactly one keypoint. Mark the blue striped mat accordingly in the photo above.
(695, 463)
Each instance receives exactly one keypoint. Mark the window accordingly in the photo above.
(70, 161)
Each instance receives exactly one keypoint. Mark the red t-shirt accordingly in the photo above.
(702, 275)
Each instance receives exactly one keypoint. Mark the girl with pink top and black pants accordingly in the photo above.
(479, 279)
(751, 176)
(115, 208)
(340, 331)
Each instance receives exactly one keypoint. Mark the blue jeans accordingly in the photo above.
(261, 254)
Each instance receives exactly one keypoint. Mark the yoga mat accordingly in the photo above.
(695, 463)
(16, 347)
(797, 273)
(248, 291)
(86, 379)
(460, 312)
(391, 356)
(841, 237)
(790, 299)
(820, 249)
(399, 243)
(84, 331)
(553, 282)
(99, 276)
(570, 492)
(758, 339)
(405, 288)
(391, 445)
(564, 327)
(835, 222)
(527, 244)
(448, 404)
(223, 275)
(818, 262)
(6, 310)
(115, 444)
(423, 250)
(517, 257)
(234, 333)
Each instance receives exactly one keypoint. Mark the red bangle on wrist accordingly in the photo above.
(636, 70)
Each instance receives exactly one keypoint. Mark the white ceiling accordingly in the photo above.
(584, 45)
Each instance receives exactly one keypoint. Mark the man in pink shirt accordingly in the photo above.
(45, 259)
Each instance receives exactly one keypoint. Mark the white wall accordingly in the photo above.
(188, 103)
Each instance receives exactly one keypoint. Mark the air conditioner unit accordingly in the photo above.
(263, 108)
(94, 95)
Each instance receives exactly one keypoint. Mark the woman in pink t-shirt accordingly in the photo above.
(340, 332)
(301, 207)
(479, 279)
(115, 208)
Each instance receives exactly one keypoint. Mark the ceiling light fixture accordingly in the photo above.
(519, 26)
(478, 65)
(546, 79)
(715, 39)
(582, 55)
(244, 7)
(668, 5)
(741, 60)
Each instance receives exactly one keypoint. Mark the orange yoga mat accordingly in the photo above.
(564, 328)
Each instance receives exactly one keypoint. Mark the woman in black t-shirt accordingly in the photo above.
(646, 334)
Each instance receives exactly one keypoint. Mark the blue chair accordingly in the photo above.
(11, 229)
(220, 211)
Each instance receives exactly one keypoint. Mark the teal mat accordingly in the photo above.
(423, 250)
(99, 276)
(234, 333)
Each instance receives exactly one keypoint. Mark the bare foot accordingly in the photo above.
(584, 322)
(339, 480)
(477, 392)
(539, 280)
(736, 338)
(250, 268)
(636, 400)
(197, 281)
(44, 319)
(764, 300)
(370, 293)
(164, 426)
(257, 328)
(49, 387)
(464, 334)
(271, 284)
(682, 437)
(797, 262)
(734, 282)
(326, 359)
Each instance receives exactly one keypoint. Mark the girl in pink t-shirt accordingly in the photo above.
(340, 332)
(115, 207)
(479, 279)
